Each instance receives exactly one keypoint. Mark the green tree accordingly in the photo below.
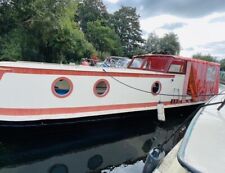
(127, 26)
(103, 38)
(10, 46)
(10, 37)
(152, 44)
(207, 57)
(169, 44)
(222, 64)
(49, 31)
(7, 17)
(90, 11)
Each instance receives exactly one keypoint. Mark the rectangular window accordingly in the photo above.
(211, 74)
(137, 63)
(177, 67)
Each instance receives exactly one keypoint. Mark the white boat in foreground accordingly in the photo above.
(38, 91)
(202, 148)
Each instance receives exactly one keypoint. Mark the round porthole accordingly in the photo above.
(95, 161)
(62, 87)
(147, 146)
(101, 88)
(156, 88)
(58, 168)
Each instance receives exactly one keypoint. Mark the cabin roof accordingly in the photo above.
(7, 65)
(179, 57)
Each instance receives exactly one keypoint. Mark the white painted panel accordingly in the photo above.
(34, 91)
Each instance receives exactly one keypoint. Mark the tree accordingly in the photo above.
(207, 57)
(222, 64)
(7, 19)
(49, 31)
(152, 44)
(90, 11)
(127, 26)
(168, 44)
(10, 46)
(103, 38)
(10, 38)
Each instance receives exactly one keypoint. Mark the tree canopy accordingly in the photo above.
(152, 44)
(64, 31)
(168, 44)
(222, 64)
(42, 30)
(103, 38)
(127, 26)
(90, 11)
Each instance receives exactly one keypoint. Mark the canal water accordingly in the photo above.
(107, 146)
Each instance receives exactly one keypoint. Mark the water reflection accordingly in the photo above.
(89, 147)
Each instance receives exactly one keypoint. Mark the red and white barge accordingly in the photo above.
(41, 91)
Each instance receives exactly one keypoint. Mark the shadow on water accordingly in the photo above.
(90, 146)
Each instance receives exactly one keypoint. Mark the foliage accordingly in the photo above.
(103, 38)
(103, 55)
(205, 57)
(49, 31)
(65, 31)
(222, 64)
(169, 44)
(127, 26)
(10, 49)
(152, 44)
(93, 19)
(90, 11)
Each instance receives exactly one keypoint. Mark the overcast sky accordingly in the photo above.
(199, 24)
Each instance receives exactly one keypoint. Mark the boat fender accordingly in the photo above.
(153, 159)
(161, 112)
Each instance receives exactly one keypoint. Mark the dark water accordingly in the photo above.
(90, 146)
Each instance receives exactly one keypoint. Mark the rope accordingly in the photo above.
(160, 94)
(185, 122)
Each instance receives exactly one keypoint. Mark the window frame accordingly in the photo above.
(106, 91)
(54, 83)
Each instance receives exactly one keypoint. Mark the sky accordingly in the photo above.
(199, 24)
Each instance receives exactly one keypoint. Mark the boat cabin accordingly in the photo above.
(36, 91)
(159, 63)
(201, 77)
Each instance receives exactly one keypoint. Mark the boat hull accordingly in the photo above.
(31, 94)
(39, 92)
(80, 125)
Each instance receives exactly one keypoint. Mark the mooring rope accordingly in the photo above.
(160, 94)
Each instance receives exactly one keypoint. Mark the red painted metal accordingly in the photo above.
(203, 80)
(23, 70)
(202, 77)
(159, 63)
(71, 110)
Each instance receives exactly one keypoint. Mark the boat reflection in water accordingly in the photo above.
(89, 147)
